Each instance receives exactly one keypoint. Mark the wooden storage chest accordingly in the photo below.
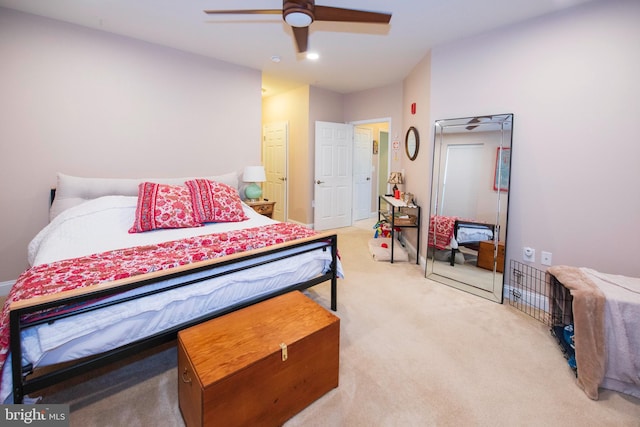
(485, 256)
(258, 366)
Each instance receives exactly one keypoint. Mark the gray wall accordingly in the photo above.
(571, 81)
(87, 103)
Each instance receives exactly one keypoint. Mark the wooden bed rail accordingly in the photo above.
(120, 285)
(22, 385)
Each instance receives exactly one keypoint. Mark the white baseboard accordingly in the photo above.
(5, 287)
(524, 296)
(411, 250)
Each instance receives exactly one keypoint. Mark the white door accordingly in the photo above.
(362, 159)
(274, 157)
(333, 175)
(383, 163)
(461, 183)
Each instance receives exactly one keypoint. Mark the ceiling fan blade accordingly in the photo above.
(479, 120)
(312, 12)
(472, 124)
(328, 13)
(245, 12)
(302, 36)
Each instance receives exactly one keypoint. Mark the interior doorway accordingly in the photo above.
(379, 160)
(383, 162)
(275, 141)
(363, 147)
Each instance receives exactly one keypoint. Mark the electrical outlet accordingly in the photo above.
(545, 258)
(529, 254)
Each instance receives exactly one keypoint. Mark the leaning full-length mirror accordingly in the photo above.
(469, 203)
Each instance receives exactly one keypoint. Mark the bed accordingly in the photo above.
(603, 311)
(449, 233)
(98, 292)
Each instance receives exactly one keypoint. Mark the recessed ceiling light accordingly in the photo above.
(312, 56)
(275, 58)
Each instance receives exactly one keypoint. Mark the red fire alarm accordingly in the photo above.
(413, 108)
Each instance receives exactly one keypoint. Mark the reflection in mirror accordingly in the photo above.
(412, 143)
(469, 203)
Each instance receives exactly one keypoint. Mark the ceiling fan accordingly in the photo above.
(477, 121)
(299, 14)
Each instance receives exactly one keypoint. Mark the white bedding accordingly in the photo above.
(622, 330)
(100, 225)
(470, 233)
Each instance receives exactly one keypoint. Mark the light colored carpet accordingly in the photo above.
(413, 353)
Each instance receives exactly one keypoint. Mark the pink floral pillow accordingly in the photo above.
(215, 202)
(163, 206)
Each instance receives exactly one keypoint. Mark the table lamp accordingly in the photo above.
(253, 174)
(395, 178)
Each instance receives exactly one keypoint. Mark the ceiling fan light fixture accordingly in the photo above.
(300, 14)
(298, 19)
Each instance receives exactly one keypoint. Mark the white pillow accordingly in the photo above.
(73, 190)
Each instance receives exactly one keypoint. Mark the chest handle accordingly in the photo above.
(185, 376)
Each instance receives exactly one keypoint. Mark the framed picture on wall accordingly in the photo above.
(501, 173)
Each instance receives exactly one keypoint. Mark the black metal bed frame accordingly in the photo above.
(22, 385)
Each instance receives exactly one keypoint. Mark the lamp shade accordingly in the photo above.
(254, 174)
(395, 178)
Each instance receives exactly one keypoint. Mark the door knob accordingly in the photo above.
(319, 182)
(368, 179)
(282, 179)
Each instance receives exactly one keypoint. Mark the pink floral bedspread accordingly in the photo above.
(89, 270)
(442, 228)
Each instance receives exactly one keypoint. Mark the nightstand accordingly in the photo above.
(485, 256)
(263, 207)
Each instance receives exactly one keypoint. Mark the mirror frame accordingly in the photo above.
(503, 123)
(415, 139)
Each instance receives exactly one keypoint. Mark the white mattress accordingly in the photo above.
(100, 225)
(470, 233)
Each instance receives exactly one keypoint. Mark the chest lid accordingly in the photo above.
(237, 340)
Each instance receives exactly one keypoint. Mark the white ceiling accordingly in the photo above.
(353, 57)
